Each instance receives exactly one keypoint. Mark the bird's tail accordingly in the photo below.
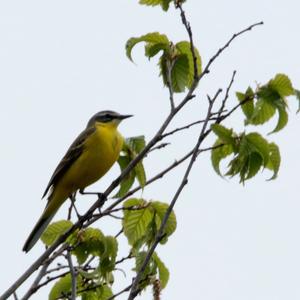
(54, 202)
(37, 231)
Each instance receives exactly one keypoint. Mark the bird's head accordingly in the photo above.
(107, 117)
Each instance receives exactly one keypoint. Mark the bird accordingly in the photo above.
(88, 158)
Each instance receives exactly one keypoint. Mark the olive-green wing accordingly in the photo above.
(72, 154)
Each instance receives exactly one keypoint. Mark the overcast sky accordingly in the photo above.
(62, 61)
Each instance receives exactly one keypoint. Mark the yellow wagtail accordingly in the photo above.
(90, 156)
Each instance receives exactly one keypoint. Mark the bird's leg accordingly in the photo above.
(101, 197)
(73, 199)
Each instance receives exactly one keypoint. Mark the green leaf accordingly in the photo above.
(255, 162)
(140, 174)
(263, 112)
(282, 120)
(247, 100)
(224, 134)
(160, 209)
(179, 74)
(91, 242)
(136, 143)
(152, 38)
(184, 49)
(151, 49)
(220, 153)
(181, 60)
(258, 144)
(274, 160)
(132, 146)
(103, 292)
(163, 3)
(128, 181)
(55, 230)
(164, 273)
(136, 221)
(108, 258)
(62, 287)
(282, 85)
(297, 94)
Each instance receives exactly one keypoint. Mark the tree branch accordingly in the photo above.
(160, 234)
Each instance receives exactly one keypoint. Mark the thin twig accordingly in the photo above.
(160, 146)
(185, 127)
(34, 285)
(127, 289)
(190, 34)
(170, 64)
(221, 110)
(73, 275)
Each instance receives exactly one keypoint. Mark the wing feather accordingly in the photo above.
(72, 155)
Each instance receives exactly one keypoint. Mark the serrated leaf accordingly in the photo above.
(135, 222)
(274, 160)
(160, 209)
(55, 230)
(152, 38)
(282, 85)
(128, 181)
(180, 74)
(184, 48)
(282, 120)
(163, 271)
(257, 143)
(224, 134)
(151, 49)
(220, 153)
(255, 162)
(263, 112)
(140, 174)
(247, 99)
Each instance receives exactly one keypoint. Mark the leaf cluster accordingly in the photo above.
(131, 147)
(141, 224)
(176, 62)
(89, 242)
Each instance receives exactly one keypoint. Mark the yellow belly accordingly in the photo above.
(101, 151)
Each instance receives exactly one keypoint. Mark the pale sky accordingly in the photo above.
(62, 61)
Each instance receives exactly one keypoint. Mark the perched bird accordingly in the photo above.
(90, 156)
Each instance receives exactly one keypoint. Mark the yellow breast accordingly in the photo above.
(101, 150)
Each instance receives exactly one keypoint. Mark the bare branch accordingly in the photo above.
(73, 275)
(226, 95)
(190, 34)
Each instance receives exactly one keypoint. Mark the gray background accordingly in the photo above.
(62, 61)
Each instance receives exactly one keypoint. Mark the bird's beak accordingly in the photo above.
(122, 117)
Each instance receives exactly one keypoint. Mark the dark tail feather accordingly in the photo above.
(37, 231)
